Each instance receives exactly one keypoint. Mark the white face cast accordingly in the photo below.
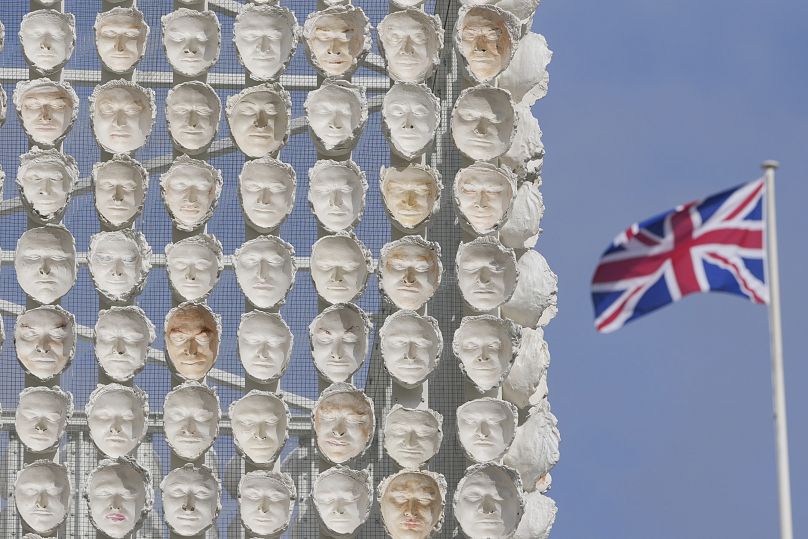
(259, 421)
(45, 340)
(47, 109)
(264, 345)
(118, 495)
(529, 369)
(122, 115)
(45, 262)
(483, 122)
(343, 423)
(486, 273)
(411, 41)
(526, 76)
(412, 437)
(120, 190)
(539, 517)
(411, 504)
(410, 272)
(191, 420)
(411, 195)
(3, 105)
(534, 301)
(265, 38)
(192, 336)
(259, 119)
(485, 347)
(342, 499)
(265, 270)
(486, 428)
(190, 499)
(488, 502)
(339, 341)
(484, 37)
(522, 229)
(46, 179)
(42, 495)
(336, 113)
(194, 265)
(190, 191)
(120, 38)
(339, 268)
(116, 416)
(411, 345)
(41, 417)
(411, 113)
(193, 110)
(337, 194)
(192, 40)
(47, 38)
(267, 190)
(119, 263)
(534, 451)
(483, 195)
(122, 339)
(336, 39)
(266, 500)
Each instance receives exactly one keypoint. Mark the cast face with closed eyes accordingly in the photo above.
(411, 44)
(41, 417)
(192, 40)
(488, 502)
(190, 191)
(342, 498)
(410, 271)
(412, 437)
(192, 111)
(119, 263)
(42, 495)
(483, 121)
(266, 500)
(337, 194)
(116, 416)
(259, 422)
(192, 337)
(45, 340)
(264, 345)
(339, 341)
(120, 38)
(47, 109)
(483, 196)
(411, 345)
(339, 268)
(410, 194)
(46, 179)
(118, 496)
(259, 119)
(486, 428)
(486, 273)
(412, 504)
(336, 112)
(336, 39)
(120, 189)
(265, 270)
(191, 419)
(485, 347)
(411, 114)
(122, 115)
(484, 40)
(267, 189)
(265, 39)
(343, 423)
(122, 339)
(47, 37)
(190, 499)
(194, 265)
(45, 262)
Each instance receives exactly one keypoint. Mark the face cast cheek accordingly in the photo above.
(45, 339)
(42, 495)
(190, 499)
(267, 190)
(47, 38)
(120, 38)
(191, 40)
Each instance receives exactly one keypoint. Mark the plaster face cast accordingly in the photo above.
(485, 346)
(411, 345)
(483, 121)
(116, 416)
(521, 230)
(266, 501)
(339, 341)
(412, 504)
(486, 37)
(119, 495)
(337, 39)
(486, 428)
(192, 336)
(3, 105)
(343, 498)
(265, 270)
(412, 437)
(42, 495)
(483, 196)
(192, 40)
(41, 417)
(526, 154)
(122, 339)
(410, 271)
(343, 422)
(260, 420)
(534, 302)
(119, 263)
(411, 114)
(122, 114)
(264, 345)
(47, 109)
(259, 119)
(120, 38)
(411, 195)
(120, 187)
(411, 42)
(194, 265)
(45, 340)
(46, 179)
(191, 499)
(336, 113)
(48, 38)
(265, 38)
(534, 451)
(340, 266)
(190, 190)
(529, 370)
(267, 188)
(337, 192)
(45, 262)
(191, 419)
(486, 273)
(193, 110)
(539, 517)
(526, 76)
(489, 502)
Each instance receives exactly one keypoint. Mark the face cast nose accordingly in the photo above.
(409, 276)
(264, 44)
(336, 275)
(266, 196)
(193, 118)
(117, 267)
(262, 120)
(190, 503)
(264, 270)
(119, 120)
(42, 500)
(120, 43)
(117, 195)
(482, 126)
(119, 347)
(336, 199)
(484, 276)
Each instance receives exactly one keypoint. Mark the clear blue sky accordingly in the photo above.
(667, 424)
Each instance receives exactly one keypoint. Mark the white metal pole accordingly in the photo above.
(778, 378)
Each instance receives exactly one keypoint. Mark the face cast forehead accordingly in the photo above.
(337, 38)
(120, 38)
(47, 109)
(343, 422)
(267, 189)
(336, 114)
(484, 36)
(486, 428)
(483, 121)
(265, 38)
(194, 265)
(42, 495)
(259, 119)
(47, 37)
(339, 341)
(41, 417)
(339, 268)
(264, 345)
(118, 495)
(45, 340)
(190, 190)
(411, 346)
(265, 270)
(46, 179)
(192, 336)
(122, 339)
(116, 416)
(259, 421)
(193, 110)
(412, 437)
(266, 501)
(119, 187)
(192, 40)
(486, 273)
(191, 419)
(410, 271)
(337, 193)
(411, 113)
(411, 195)
(483, 196)
(489, 501)
(122, 114)
(191, 499)
(412, 504)
(119, 263)
(342, 498)
(485, 346)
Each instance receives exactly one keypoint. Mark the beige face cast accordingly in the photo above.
(336, 39)
(412, 504)
(41, 417)
(343, 422)
(411, 194)
(192, 336)
(485, 37)
(411, 42)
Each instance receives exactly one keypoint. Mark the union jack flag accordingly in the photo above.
(715, 244)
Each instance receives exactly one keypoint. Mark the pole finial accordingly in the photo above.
(771, 163)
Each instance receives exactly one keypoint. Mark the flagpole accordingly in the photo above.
(778, 378)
